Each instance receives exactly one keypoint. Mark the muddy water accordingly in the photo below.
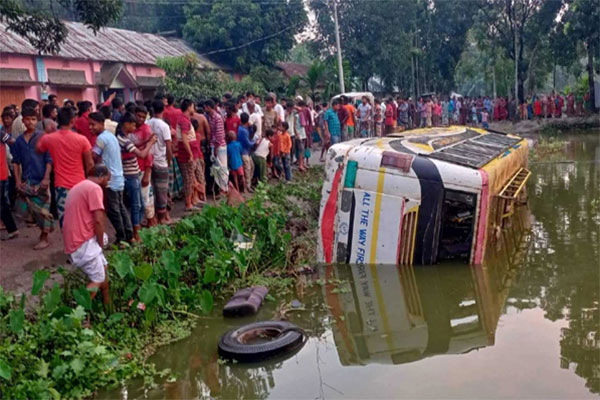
(523, 325)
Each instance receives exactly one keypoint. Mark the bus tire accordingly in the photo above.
(286, 338)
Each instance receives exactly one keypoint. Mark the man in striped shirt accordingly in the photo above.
(217, 135)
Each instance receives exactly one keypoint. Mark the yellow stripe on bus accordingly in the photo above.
(381, 306)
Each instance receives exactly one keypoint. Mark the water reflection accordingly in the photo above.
(397, 315)
(524, 324)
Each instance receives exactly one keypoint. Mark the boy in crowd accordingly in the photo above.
(142, 135)
(247, 141)
(162, 156)
(270, 118)
(82, 122)
(71, 155)
(351, 122)
(84, 234)
(107, 151)
(263, 146)
(32, 177)
(286, 149)
(234, 158)
(276, 167)
(332, 123)
(130, 154)
(217, 135)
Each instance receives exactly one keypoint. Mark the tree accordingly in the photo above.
(581, 25)
(43, 28)
(244, 33)
(517, 26)
(314, 77)
(417, 55)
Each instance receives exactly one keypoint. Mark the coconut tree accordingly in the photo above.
(314, 77)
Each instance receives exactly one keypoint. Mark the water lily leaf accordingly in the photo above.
(83, 298)
(5, 370)
(143, 271)
(39, 278)
(16, 320)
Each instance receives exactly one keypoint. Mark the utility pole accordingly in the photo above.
(339, 48)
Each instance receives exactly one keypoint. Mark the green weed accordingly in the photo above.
(70, 346)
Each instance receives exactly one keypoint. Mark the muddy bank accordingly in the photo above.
(534, 127)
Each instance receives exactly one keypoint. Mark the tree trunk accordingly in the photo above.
(590, 71)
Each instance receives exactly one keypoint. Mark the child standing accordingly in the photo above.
(234, 159)
(276, 167)
(484, 118)
(307, 155)
(263, 147)
(285, 144)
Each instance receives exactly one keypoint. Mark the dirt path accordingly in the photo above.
(18, 260)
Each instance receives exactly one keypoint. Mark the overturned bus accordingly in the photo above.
(420, 196)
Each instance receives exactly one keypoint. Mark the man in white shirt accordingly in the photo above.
(250, 100)
(278, 107)
(255, 117)
(163, 154)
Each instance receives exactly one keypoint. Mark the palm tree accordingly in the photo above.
(314, 77)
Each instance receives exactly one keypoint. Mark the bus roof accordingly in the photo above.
(465, 146)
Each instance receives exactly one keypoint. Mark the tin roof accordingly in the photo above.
(291, 69)
(110, 44)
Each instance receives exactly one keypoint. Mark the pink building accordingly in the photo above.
(88, 66)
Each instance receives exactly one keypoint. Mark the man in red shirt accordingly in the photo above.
(71, 154)
(82, 122)
(83, 234)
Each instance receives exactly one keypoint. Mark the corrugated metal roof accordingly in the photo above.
(110, 44)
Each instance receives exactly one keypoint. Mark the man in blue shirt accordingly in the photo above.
(332, 122)
(32, 177)
(108, 151)
(247, 141)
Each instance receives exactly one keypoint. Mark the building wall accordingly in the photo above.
(90, 93)
(38, 70)
(22, 62)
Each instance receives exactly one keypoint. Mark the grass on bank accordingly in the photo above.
(157, 287)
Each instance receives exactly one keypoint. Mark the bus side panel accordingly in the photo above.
(332, 186)
(376, 230)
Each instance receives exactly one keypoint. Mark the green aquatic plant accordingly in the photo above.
(69, 346)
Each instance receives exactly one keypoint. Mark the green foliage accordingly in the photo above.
(429, 38)
(175, 272)
(42, 26)
(186, 79)
(257, 32)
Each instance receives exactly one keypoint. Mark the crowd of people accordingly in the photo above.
(128, 163)
(77, 165)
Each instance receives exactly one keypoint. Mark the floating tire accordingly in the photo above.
(261, 340)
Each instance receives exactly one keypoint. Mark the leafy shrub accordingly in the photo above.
(155, 287)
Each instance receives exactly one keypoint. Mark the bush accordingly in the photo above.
(156, 287)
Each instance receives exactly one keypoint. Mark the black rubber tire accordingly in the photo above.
(290, 339)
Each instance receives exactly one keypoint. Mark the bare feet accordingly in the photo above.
(42, 244)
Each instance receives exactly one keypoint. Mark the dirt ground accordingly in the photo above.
(18, 260)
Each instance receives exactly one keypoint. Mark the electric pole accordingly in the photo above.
(339, 47)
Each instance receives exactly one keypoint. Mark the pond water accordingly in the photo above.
(523, 325)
